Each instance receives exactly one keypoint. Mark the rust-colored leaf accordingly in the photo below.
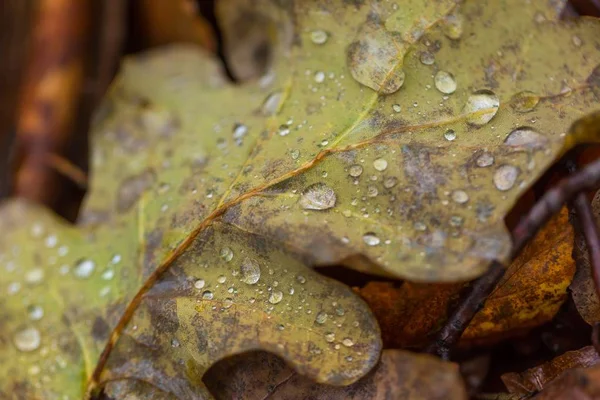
(578, 384)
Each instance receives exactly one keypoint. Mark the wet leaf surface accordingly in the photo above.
(399, 375)
(580, 384)
(333, 157)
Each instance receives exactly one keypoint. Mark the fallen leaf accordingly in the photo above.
(186, 166)
(579, 384)
(536, 379)
(583, 288)
(399, 375)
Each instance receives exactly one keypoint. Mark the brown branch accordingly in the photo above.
(548, 205)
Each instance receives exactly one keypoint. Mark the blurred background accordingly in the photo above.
(58, 58)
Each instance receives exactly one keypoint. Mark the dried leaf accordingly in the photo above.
(579, 384)
(535, 379)
(399, 375)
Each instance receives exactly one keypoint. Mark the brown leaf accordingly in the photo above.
(399, 375)
(578, 384)
(535, 379)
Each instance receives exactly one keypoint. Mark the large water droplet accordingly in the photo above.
(380, 164)
(445, 82)
(199, 284)
(226, 254)
(481, 107)
(319, 36)
(450, 135)
(250, 271)
(28, 339)
(505, 177)
(525, 137)
(84, 268)
(371, 239)
(275, 297)
(524, 101)
(207, 295)
(317, 196)
(355, 171)
(427, 58)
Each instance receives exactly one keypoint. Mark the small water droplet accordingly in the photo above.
(371, 239)
(445, 82)
(349, 358)
(460, 196)
(525, 137)
(300, 279)
(524, 101)
(485, 160)
(175, 343)
(397, 108)
(226, 254)
(283, 130)
(390, 182)
(450, 135)
(427, 58)
(319, 76)
(576, 41)
(108, 274)
(330, 337)
(28, 339)
(347, 342)
(295, 154)
(227, 303)
(250, 271)
(275, 297)
(51, 241)
(321, 317)
(355, 171)
(317, 196)
(207, 295)
(34, 276)
(116, 259)
(221, 279)
(420, 226)
(456, 221)
(239, 131)
(199, 284)
(372, 191)
(35, 312)
(319, 36)
(481, 107)
(380, 164)
(505, 177)
(84, 268)
(271, 104)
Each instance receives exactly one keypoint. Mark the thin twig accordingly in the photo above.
(548, 205)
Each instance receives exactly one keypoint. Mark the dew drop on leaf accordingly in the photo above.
(317, 196)
(371, 239)
(239, 131)
(484, 160)
(460, 196)
(28, 339)
(271, 104)
(524, 101)
(250, 271)
(427, 58)
(319, 36)
(35, 312)
(390, 182)
(84, 268)
(300, 279)
(445, 82)
(372, 191)
(226, 254)
(380, 164)
(505, 177)
(397, 108)
(330, 337)
(319, 76)
(481, 107)
(199, 284)
(453, 26)
(275, 297)
(321, 317)
(355, 171)
(207, 295)
(347, 342)
(450, 135)
(525, 137)
(221, 279)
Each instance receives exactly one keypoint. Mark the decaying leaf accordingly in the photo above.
(402, 162)
(399, 375)
(535, 379)
(579, 384)
(530, 294)
(583, 288)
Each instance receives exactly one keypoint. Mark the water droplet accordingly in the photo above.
(397, 108)
(275, 297)
(485, 160)
(319, 76)
(420, 226)
(390, 182)
(226, 254)
(35, 312)
(427, 58)
(108, 274)
(371, 239)
(199, 284)
(250, 271)
(295, 154)
(300, 279)
(460, 196)
(525, 137)
(445, 82)
(372, 191)
(207, 295)
(481, 107)
(576, 41)
(349, 358)
(221, 279)
(330, 337)
(283, 130)
(239, 131)
(340, 311)
(63, 251)
(347, 342)
(271, 104)
(116, 259)
(450, 135)
(227, 303)
(84, 268)
(324, 143)
(175, 343)
(28, 339)
(456, 221)
(355, 171)
(34, 276)
(505, 177)
(317, 196)
(51, 241)
(380, 164)
(321, 317)
(524, 101)
(319, 36)
(37, 230)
